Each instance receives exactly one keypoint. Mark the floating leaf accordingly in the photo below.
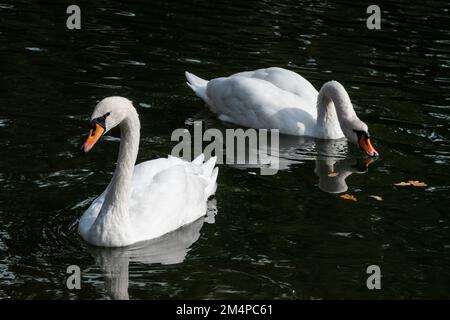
(333, 174)
(418, 184)
(379, 198)
(413, 183)
(348, 197)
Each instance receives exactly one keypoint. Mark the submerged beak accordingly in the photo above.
(94, 135)
(366, 145)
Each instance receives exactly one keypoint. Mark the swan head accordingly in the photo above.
(357, 132)
(108, 113)
(353, 128)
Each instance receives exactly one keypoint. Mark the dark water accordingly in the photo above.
(284, 236)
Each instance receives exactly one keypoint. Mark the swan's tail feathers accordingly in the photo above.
(212, 187)
(199, 160)
(212, 184)
(210, 173)
(195, 82)
(198, 85)
(214, 174)
(208, 166)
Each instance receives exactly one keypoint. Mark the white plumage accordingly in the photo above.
(150, 199)
(276, 98)
(272, 98)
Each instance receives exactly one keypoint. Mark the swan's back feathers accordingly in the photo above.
(256, 103)
(271, 98)
(166, 194)
(286, 80)
(175, 196)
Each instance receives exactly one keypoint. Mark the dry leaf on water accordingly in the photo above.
(413, 183)
(379, 198)
(416, 183)
(348, 197)
(332, 174)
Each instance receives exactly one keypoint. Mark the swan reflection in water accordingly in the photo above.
(333, 173)
(171, 248)
(332, 164)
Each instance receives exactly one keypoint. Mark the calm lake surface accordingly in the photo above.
(287, 236)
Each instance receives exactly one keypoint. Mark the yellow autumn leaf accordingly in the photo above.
(413, 183)
(418, 184)
(332, 174)
(348, 197)
(379, 198)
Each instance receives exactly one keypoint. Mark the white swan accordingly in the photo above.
(150, 199)
(277, 98)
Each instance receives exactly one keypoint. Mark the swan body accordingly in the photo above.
(150, 199)
(276, 98)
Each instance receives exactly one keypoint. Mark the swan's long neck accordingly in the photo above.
(113, 217)
(334, 108)
(120, 186)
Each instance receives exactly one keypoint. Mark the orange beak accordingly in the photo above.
(366, 145)
(94, 135)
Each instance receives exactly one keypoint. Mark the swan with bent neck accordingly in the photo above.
(276, 98)
(150, 199)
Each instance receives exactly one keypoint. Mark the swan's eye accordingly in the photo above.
(361, 133)
(100, 121)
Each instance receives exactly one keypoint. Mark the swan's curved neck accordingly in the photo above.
(120, 186)
(334, 108)
(114, 212)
